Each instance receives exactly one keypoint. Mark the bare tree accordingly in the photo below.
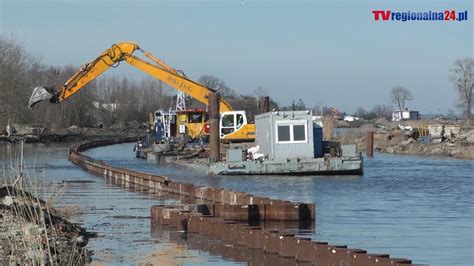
(248, 103)
(260, 92)
(463, 81)
(450, 115)
(155, 95)
(300, 105)
(381, 110)
(399, 96)
(16, 67)
(360, 112)
(218, 85)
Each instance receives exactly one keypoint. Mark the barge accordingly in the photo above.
(287, 143)
(290, 143)
(316, 166)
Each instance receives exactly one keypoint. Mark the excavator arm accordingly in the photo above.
(111, 58)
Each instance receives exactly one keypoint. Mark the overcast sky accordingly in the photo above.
(321, 51)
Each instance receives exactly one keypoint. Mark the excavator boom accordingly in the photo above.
(113, 56)
(234, 126)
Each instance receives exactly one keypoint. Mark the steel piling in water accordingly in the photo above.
(210, 219)
(254, 238)
(370, 144)
(270, 241)
(287, 245)
(304, 248)
(214, 138)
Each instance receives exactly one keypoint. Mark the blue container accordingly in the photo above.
(318, 141)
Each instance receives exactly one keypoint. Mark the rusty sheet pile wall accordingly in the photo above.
(273, 241)
(270, 209)
(225, 215)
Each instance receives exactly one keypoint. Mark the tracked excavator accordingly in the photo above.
(234, 125)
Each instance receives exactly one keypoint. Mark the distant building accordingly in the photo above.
(350, 118)
(111, 107)
(405, 115)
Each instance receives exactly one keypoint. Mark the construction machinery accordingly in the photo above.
(234, 126)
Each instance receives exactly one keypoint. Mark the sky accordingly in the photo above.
(330, 52)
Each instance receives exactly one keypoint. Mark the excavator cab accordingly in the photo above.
(231, 122)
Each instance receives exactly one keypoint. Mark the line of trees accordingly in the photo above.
(110, 100)
(106, 101)
(377, 111)
(20, 72)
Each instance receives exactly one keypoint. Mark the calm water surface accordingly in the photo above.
(121, 216)
(421, 208)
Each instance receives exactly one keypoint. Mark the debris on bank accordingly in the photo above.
(31, 233)
(37, 133)
(417, 137)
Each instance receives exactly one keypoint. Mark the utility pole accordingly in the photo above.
(214, 138)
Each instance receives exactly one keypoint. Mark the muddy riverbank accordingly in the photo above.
(31, 233)
(37, 134)
(399, 142)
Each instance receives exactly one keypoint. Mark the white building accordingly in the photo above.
(350, 118)
(405, 115)
(111, 107)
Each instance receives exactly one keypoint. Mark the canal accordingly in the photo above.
(407, 206)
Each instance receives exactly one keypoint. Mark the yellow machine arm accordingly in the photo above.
(111, 58)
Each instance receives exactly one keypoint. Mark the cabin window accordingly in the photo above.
(194, 118)
(228, 120)
(283, 133)
(240, 120)
(294, 131)
(299, 133)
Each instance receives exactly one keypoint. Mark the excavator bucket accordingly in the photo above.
(40, 94)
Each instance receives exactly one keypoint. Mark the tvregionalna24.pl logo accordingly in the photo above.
(447, 15)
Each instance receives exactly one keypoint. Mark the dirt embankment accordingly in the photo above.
(31, 233)
(31, 133)
(411, 146)
(391, 139)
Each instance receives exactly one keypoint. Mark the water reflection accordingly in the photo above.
(408, 206)
(415, 207)
(218, 248)
(119, 215)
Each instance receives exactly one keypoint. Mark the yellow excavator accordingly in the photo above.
(234, 125)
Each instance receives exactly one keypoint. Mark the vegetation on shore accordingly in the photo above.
(32, 232)
(117, 106)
